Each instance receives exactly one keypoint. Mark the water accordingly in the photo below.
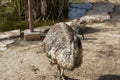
(77, 10)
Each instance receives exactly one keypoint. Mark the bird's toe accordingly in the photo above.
(63, 78)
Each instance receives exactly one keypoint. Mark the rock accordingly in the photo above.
(95, 16)
(3, 36)
(103, 7)
(117, 9)
(114, 1)
(2, 45)
(5, 43)
(115, 17)
(9, 34)
(99, 13)
(69, 23)
(44, 29)
(3, 48)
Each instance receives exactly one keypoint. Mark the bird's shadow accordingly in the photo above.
(87, 38)
(67, 78)
(109, 77)
(89, 30)
(103, 77)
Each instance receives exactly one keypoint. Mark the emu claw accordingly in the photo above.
(63, 78)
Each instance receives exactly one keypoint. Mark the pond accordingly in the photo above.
(77, 10)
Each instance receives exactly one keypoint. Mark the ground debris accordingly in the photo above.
(5, 43)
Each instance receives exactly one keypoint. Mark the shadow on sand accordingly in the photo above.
(67, 78)
(89, 30)
(109, 77)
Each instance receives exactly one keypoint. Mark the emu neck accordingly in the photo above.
(68, 32)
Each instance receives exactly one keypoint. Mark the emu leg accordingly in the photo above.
(61, 73)
(83, 36)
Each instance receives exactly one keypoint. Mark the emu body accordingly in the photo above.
(63, 48)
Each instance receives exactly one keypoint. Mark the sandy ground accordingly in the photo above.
(26, 60)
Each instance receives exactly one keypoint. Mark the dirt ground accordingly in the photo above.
(26, 61)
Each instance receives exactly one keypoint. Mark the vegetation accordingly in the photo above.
(14, 14)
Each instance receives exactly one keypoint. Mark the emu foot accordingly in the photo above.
(66, 78)
(63, 77)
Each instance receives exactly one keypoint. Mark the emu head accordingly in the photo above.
(79, 27)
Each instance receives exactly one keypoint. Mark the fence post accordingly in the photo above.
(30, 20)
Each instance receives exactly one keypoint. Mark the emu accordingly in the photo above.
(65, 48)
(79, 31)
(78, 26)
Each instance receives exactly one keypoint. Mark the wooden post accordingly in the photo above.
(30, 20)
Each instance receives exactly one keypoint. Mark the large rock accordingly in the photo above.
(114, 1)
(103, 7)
(44, 29)
(95, 16)
(117, 9)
